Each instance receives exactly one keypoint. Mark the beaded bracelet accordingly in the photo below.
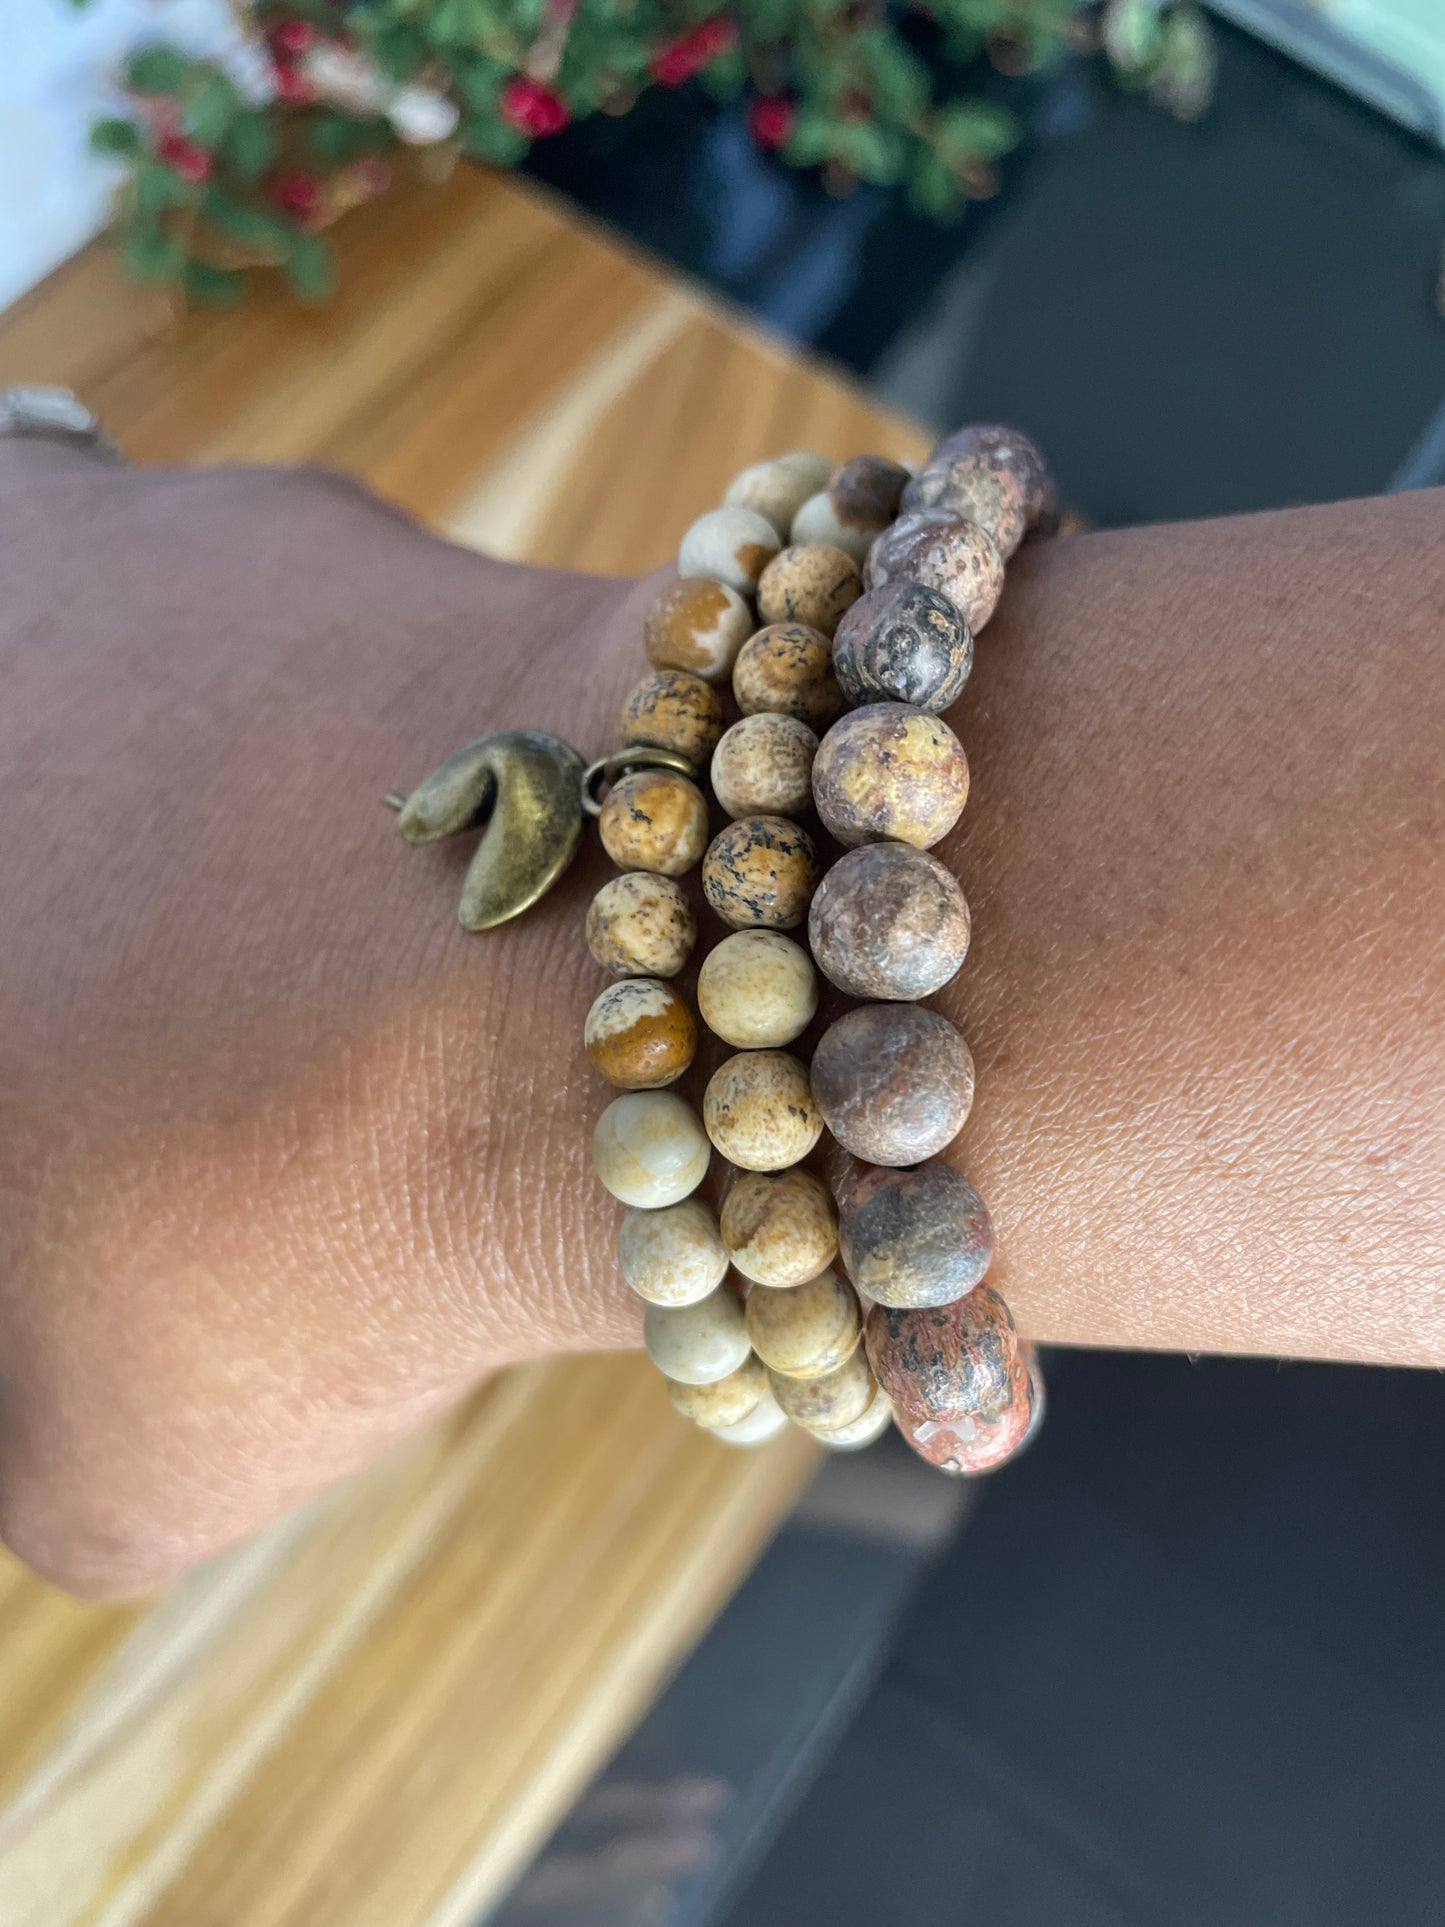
(870, 584)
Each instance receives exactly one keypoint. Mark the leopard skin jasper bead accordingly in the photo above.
(969, 1447)
(776, 489)
(981, 490)
(673, 710)
(780, 1227)
(649, 1149)
(763, 766)
(894, 1082)
(673, 1256)
(838, 1397)
(905, 643)
(655, 820)
(889, 922)
(697, 626)
(956, 557)
(760, 873)
(949, 1361)
(764, 1422)
(759, 1111)
(697, 1344)
(1004, 448)
(914, 1237)
(787, 670)
(812, 583)
(889, 772)
(1029, 1354)
(641, 925)
(730, 545)
(874, 1422)
(726, 1400)
(640, 1034)
(807, 1329)
(758, 989)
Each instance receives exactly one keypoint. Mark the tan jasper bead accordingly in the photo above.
(760, 873)
(890, 773)
(863, 1431)
(759, 1111)
(776, 488)
(765, 1421)
(697, 626)
(808, 1330)
(813, 583)
(672, 710)
(764, 767)
(726, 1400)
(780, 1227)
(640, 1034)
(757, 990)
(654, 819)
(729, 545)
(787, 670)
(835, 1398)
(697, 1344)
(674, 1256)
(641, 925)
(649, 1149)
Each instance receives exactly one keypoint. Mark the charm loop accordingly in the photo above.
(606, 770)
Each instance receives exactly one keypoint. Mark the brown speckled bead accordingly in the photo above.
(757, 989)
(807, 1330)
(697, 626)
(779, 1227)
(1003, 448)
(760, 873)
(915, 1237)
(759, 1112)
(981, 490)
(956, 557)
(894, 1082)
(812, 583)
(905, 643)
(641, 925)
(673, 710)
(640, 1034)
(725, 1400)
(787, 670)
(889, 921)
(763, 766)
(655, 820)
(951, 1362)
(731, 545)
(889, 772)
(829, 1400)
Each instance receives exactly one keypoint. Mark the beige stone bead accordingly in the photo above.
(807, 1330)
(812, 583)
(758, 989)
(674, 1256)
(817, 521)
(760, 873)
(697, 626)
(830, 1399)
(763, 766)
(671, 709)
(640, 1034)
(640, 925)
(731, 545)
(655, 820)
(759, 1110)
(649, 1149)
(775, 488)
(787, 670)
(764, 1422)
(863, 1431)
(700, 1343)
(780, 1228)
(727, 1400)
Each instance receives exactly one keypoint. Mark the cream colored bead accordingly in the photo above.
(852, 1438)
(818, 521)
(649, 1149)
(777, 488)
(808, 1329)
(780, 1227)
(674, 1256)
(697, 1344)
(764, 1422)
(830, 1399)
(726, 1400)
(729, 545)
(758, 989)
(759, 1111)
(698, 626)
(763, 766)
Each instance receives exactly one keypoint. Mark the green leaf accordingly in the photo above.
(120, 138)
(251, 145)
(157, 70)
(337, 138)
(253, 227)
(933, 189)
(492, 140)
(210, 287)
(972, 130)
(150, 254)
(212, 110)
(724, 76)
(311, 268)
(157, 188)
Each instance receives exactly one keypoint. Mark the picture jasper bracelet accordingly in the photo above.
(840, 605)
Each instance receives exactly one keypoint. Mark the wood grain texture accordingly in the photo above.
(372, 1714)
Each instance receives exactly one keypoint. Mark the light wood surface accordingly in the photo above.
(373, 1714)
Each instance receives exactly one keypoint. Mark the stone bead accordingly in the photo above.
(979, 489)
(759, 1111)
(940, 1361)
(889, 772)
(860, 501)
(655, 820)
(956, 557)
(787, 670)
(726, 1400)
(831, 1399)
(863, 1431)
(764, 1422)
(970, 1447)
(776, 489)
(641, 925)
(894, 1082)
(915, 1237)
(905, 643)
(812, 583)
(640, 1034)
(890, 922)
(1004, 448)
(673, 710)
(764, 766)
(780, 1228)
(697, 1344)
(760, 873)
(1029, 1354)
(697, 626)
(674, 1256)
(758, 989)
(817, 522)
(649, 1149)
(731, 545)
(807, 1330)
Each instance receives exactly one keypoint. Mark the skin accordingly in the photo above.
(288, 1161)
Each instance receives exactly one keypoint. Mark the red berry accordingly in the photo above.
(292, 38)
(771, 120)
(185, 157)
(299, 194)
(531, 108)
(292, 86)
(678, 60)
